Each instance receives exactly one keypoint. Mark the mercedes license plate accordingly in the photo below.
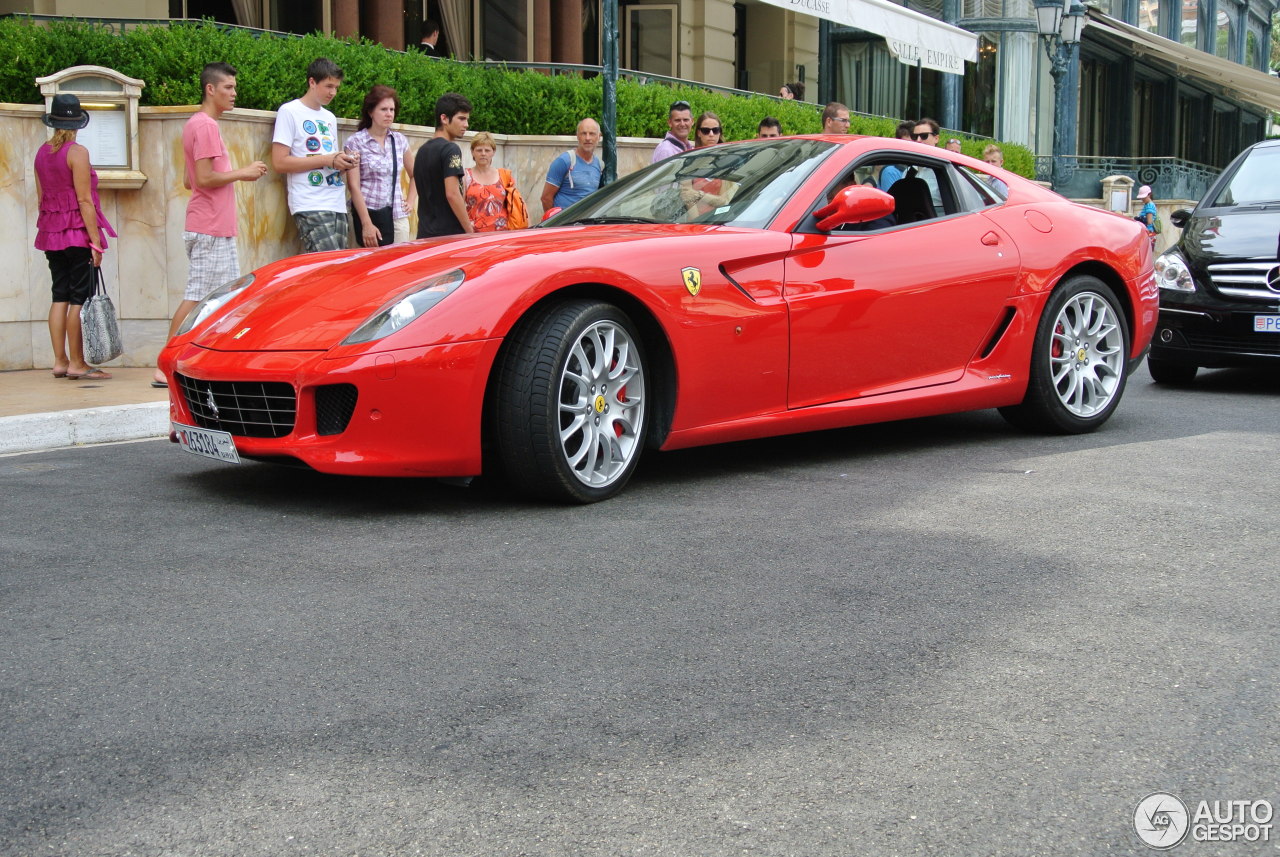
(211, 444)
(1266, 324)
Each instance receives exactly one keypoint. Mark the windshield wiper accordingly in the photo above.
(613, 219)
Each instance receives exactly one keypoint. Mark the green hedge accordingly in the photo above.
(273, 71)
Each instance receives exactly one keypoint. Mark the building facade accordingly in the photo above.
(1179, 82)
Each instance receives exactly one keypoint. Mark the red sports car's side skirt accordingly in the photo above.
(975, 390)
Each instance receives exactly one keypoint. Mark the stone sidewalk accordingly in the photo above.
(39, 412)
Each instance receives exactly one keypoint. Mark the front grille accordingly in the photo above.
(1262, 343)
(243, 408)
(1260, 280)
(335, 403)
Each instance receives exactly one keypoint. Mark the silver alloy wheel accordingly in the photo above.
(1087, 356)
(601, 404)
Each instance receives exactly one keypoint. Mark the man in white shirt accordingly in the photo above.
(305, 149)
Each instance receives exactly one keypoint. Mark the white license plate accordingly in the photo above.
(211, 444)
(1266, 324)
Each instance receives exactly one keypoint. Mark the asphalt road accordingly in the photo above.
(933, 637)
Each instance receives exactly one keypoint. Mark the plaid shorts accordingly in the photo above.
(321, 230)
(212, 261)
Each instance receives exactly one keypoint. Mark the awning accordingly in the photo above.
(912, 36)
(1244, 84)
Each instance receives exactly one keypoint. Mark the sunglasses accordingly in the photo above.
(709, 130)
(680, 105)
(924, 136)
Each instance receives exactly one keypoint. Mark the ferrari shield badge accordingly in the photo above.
(692, 280)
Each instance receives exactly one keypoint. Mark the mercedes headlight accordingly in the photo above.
(406, 308)
(216, 300)
(1172, 272)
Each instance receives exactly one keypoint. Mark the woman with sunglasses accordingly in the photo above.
(706, 195)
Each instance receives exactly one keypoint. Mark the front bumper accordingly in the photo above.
(1213, 335)
(416, 411)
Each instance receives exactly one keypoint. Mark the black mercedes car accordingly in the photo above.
(1220, 284)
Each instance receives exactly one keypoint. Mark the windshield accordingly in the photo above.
(1256, 180)
(738, 184)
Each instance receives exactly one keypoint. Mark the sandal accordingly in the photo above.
(91, 375)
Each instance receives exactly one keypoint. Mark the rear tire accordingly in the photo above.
(570, 415)
(1079, 362)
(1174, 374)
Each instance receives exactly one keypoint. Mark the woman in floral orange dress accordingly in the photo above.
(485, 192)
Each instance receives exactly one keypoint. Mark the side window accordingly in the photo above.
(979, 190)
(923, 193)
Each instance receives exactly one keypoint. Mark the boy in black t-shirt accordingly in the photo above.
(437, 172)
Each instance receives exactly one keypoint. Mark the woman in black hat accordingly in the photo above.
(71, 230)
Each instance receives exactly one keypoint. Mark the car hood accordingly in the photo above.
(1222, 235)
(312, 303)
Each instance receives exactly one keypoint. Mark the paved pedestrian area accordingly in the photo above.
(38, 411)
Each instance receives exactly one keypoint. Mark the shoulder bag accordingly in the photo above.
(99, 327)
(517, 211)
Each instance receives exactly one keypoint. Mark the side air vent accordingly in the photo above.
(335, 403)
(1005, 321)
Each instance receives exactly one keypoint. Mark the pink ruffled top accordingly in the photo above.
(60, 225)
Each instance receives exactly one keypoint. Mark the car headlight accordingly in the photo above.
(406, 308)
(1172, 272)
(214, 301)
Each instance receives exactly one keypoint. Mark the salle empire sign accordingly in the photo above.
(821, 8)
(913, 37)
(910, 54)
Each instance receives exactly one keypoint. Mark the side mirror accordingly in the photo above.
(854, 204)
(551, 213)
(1180, 218)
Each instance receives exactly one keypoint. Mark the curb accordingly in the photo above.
(37, 432)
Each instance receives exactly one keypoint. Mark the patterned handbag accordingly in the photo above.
(98, 324)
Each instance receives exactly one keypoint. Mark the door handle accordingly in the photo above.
(991, 239)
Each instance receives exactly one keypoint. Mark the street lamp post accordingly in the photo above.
(1060, 24)
(609, 109)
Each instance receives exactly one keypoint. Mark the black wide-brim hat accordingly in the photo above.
(65, 112)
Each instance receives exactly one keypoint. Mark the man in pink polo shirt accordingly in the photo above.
(210, 230)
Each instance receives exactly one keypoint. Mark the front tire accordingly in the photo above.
(1176, 374)
(570, 411)
(1079, 362)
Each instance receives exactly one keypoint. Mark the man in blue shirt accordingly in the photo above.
(575, 173)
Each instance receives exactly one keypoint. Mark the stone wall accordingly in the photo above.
(145, 268)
